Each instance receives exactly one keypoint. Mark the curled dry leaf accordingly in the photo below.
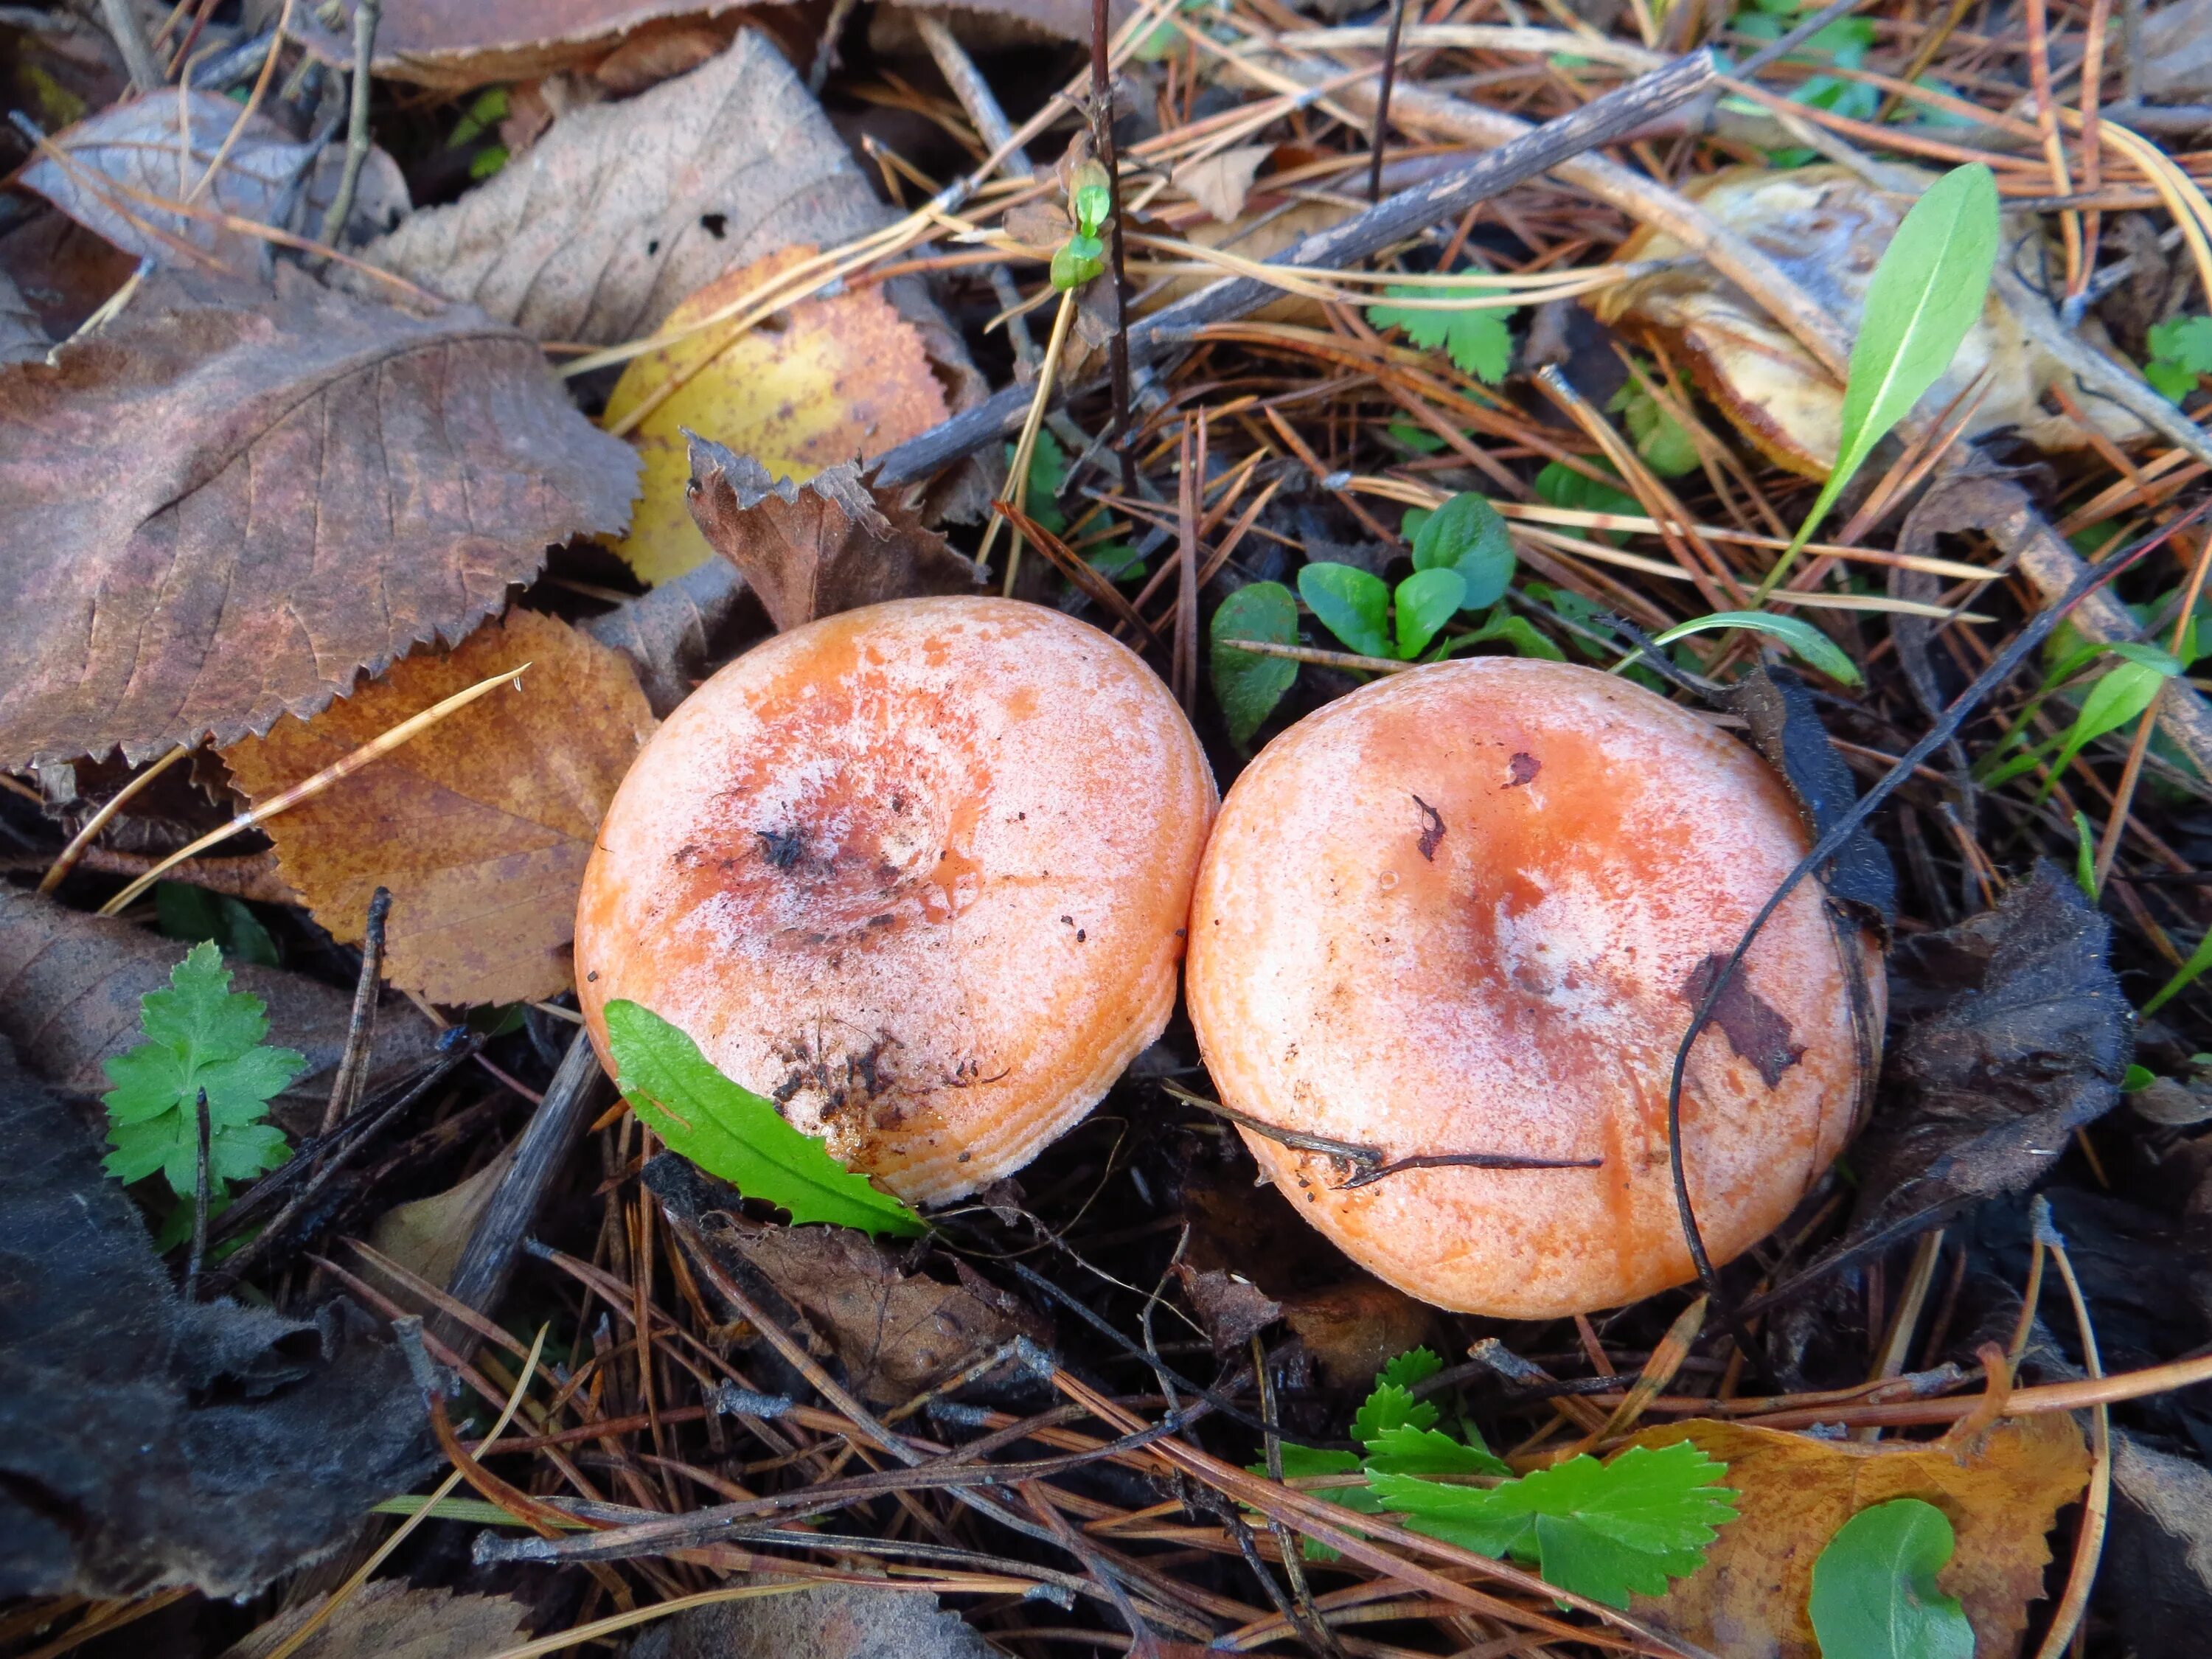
(2012, 1033)
(833, 543)
(391, 1619)
(621, 210)
(822, 1621)
(125, 178)
(426, 1236)
(1233, 1310)
(456, 45)
(2001, 1492)
(896, 1333)
(480, 827)
(229, 503)
(147, 1441)
(1826, 228)
(831, 380)
(70, 990)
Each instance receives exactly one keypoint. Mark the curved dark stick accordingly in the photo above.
(1379, 138)
(1841, 832)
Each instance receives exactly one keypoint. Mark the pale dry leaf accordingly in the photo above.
(826, 381)
(70, 987)
(125, 179)
(833, 543)
(454, 46)
(671, 634)
(623, 208)
(426, 1236)
(822, 1621)
(391, 1619)
(227, 504)
(480, 827)
(2177, 53)
(2001, 1492)
(1220, 183)
(2160, 1549)
(1827, 229)
(22, 338)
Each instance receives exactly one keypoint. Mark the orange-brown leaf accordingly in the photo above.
(2001, 1492)
(480, 827)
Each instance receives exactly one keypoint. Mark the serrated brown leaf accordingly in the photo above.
(834, 379)
(480, 827)
(391, 1618)
(124, 179)
(2000, 1491)
(227, 504)
(621, 210)
(71, 985)
(832, 544)
(456, 45)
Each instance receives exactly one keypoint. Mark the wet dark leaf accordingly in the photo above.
(146, 1441)
(2155, 1589)
(1233, 1310)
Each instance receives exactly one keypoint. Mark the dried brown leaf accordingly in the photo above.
(391, 1619)
(227, 504)
(426, 1236)
(70, 990)
(1233, 1310)
(2001, 1492)
(1064, 19)
(1220, 183)
(456, 45)
(1351, 1330)
(22, 338)
(63, 270)
(822, 1621)
(832, 544)
(836, 378)
(671, 635)
(621, 210)
(480, 827)
(123, 164)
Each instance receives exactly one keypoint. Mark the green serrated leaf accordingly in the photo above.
(200, 1035)
(1248, 684)
(1476, 337)
(1465, 534)
(1874, 1594)
(1801, 636)
(1424, 602)
(1410, 1369)
(1391, 1405)
(2184, 342)
(733, 1132)
(1602, 1530)
(1405, 1450)
(1351, 603)
(1925, 295)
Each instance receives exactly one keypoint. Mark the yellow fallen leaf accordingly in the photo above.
(2000, 1491)
(480, 827)
(827, 380)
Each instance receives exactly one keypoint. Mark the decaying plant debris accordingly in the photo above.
(405, 407)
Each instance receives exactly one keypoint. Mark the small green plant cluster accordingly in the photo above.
(1475, 337)
(484, 113)
(1601, 1531)
(2180, 351)
(1083, 255)
(1116, 561)
(730, 1132)
(1842, 45)
(201, 1036)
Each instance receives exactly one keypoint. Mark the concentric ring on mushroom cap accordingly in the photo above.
(919, 872)
(1470, 908)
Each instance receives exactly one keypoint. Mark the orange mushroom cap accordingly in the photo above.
(1472, 909)
(919, 872)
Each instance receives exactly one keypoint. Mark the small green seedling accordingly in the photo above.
(730, 1132)
(1924, 297)
(1664, 442)
(1873, 1588)
(1359, 608)
(1802, 638)
(1249, 684)
(2180, 351)
(1475, 336)
(200, 1035)
(1601, 1531)
(1083, 255)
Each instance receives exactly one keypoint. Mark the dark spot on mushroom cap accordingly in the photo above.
(1755, 1029)
(1521, 768)
(782, 848)
(1432, 828)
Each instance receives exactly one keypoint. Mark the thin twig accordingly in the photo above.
(1378, 136)
(203, 1138)
(122, 20)
(1102, 142)
(352, 1074)
(366, 14)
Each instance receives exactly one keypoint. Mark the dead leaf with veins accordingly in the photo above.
(1826, 228)
(391, 1618)
(229, 503)
(480, 827)
(122, 176)
(2001, 1492)
(824, 382)
(621, 210)
(456, 46)
(833, 543)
